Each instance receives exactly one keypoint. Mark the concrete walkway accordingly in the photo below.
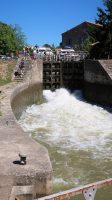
(13, 141)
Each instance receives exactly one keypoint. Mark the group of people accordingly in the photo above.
(20, 70)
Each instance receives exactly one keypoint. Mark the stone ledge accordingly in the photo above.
(38, 170)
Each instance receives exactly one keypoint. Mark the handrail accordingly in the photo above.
(88, 191)
(77, 56)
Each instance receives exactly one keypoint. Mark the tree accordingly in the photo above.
(102, 34)
(105, 18)
(20, 37)
(47, 45)
(59, 46)
(11, 38)
(86, 45)
(7, 39)
(53, 46)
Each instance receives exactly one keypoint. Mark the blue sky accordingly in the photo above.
(43, 21)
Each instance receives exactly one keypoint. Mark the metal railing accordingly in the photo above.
(77, 56)
(88, 191)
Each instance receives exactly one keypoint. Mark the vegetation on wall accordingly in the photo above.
(6, 77)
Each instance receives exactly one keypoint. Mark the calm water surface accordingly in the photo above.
(78, 136)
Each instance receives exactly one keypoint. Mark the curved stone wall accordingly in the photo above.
(37, 173)
(25, 95)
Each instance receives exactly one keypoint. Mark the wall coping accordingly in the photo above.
(13, 140)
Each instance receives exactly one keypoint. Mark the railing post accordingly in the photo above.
(89, 194)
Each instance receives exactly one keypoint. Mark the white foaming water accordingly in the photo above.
(77, 124)
(72, 129)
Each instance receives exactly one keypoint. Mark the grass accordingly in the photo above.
(10, 67)
(3, 81)
(8, 76)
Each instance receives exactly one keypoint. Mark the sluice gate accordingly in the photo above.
(57, 74)
(52, 75)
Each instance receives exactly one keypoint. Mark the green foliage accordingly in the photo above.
(7, 39)
(47, 45)
(11, 38)
(20, 37)
(59, 46)
(105, 17)
(103, 34)
(87, 44)
(53, 47)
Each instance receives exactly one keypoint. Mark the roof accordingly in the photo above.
(85, 22)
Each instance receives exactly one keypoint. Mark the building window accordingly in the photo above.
(69, 41)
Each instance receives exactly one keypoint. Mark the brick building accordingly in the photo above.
(77, 35)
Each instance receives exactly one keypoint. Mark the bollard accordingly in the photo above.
(22, 159)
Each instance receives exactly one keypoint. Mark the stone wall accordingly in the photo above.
(35, 178)
(98, 84)
(29, 92)
(3, 71)
(75, 36)
(24, 96)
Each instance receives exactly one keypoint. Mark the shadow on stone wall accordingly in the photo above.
(24, 96)
(97, 83)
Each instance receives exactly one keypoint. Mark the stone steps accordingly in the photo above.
(26, 69)
(19, 78)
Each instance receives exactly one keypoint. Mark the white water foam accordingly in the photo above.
(78, 136)
(70, 123)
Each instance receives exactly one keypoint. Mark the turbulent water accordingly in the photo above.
(77, 134)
